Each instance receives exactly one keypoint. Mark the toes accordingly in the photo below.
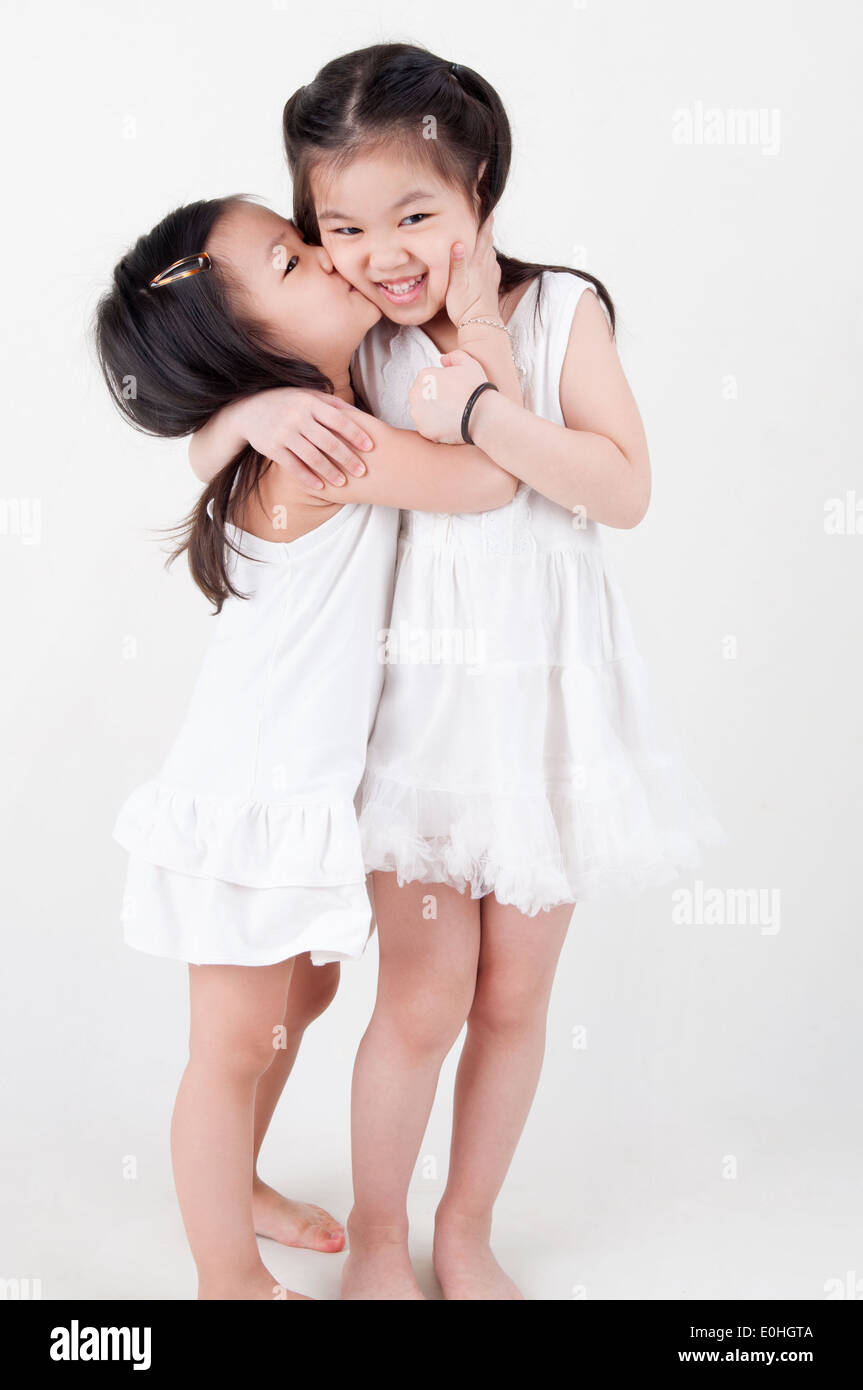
(302, 1225)
(327, 1236)
(327, 1226)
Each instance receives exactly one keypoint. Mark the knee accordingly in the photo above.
(426, 1024)
(319, 989)
(243, 1053)
(512, 1009)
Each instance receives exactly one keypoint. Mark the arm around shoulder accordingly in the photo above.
(405, 470)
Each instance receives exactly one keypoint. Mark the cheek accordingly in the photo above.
(269, 308)
(435, 253)
(439, 254)
(342, 254)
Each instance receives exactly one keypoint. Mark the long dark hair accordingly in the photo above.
(173, 356)
(391, 90)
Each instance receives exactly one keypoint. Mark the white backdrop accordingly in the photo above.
(697, 1129)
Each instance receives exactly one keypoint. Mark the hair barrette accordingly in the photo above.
(180, 270)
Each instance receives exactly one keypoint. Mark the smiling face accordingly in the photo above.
(292, 290)
(388, 224)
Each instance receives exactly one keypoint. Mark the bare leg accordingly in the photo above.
(425, 987)
(312, 989)
(233, 1011)
(495, 1085)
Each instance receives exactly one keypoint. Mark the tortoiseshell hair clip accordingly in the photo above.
(180, 270)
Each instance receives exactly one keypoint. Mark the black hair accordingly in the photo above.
(174, 355)
(393, 90)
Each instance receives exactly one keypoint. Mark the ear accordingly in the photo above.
(478, 180)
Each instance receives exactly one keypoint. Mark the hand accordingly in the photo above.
(473, 284)
(439, 395)
(307, 433)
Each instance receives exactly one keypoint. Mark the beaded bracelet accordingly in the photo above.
(493, 323)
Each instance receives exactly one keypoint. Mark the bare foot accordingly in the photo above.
(378, 1266)
(463, 1262)
(295, 1223)
(258, 1286)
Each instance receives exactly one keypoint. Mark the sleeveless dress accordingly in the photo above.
(245, 849)
(517, 749)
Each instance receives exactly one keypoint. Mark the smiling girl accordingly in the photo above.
(493, 798)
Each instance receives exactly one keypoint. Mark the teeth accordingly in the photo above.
(404, 286)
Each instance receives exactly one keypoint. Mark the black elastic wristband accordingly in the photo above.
(471, 402)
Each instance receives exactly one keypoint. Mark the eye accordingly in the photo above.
(413, 215)
(343, 231)
(291, 263)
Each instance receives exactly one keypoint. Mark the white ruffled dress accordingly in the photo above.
(245, 849)
(517, 749)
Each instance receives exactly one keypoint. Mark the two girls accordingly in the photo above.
(494, 796)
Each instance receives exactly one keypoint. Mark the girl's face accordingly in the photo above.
(307, 309)
(388, 222)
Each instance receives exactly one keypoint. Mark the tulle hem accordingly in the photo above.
(538, 851)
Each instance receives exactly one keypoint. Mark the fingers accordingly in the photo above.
(336, 451)
(297, 470)
(316, 462)
(457, 265)
(346, 428)
(338, 404)
(350, 429)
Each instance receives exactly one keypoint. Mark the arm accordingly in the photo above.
(216, 443)
(490, 347)
(414, 473)
(598, 460)
(405, 469)
(310, 434)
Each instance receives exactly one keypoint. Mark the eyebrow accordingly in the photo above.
(412, 197)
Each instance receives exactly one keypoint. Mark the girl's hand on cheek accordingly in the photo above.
(313, 436)
(439, 395)
(473, 282)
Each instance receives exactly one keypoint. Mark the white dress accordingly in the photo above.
(516, 748)
(245, 850)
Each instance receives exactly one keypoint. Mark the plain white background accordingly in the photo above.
(697, 1128)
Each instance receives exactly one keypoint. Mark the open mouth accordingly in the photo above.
(404, 290)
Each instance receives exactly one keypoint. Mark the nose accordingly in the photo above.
(386, 258)
(324, 260)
